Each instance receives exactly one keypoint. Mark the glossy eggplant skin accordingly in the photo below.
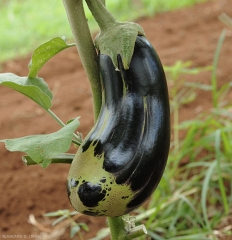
(121, 161)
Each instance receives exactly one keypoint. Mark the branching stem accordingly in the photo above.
(77, 140)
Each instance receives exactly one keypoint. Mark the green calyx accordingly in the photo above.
(115, 37)
(119, 39)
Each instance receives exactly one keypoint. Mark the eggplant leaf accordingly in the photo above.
(45, 52)
(43, 148)
(34, 88)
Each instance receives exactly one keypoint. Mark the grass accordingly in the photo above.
(26, 24)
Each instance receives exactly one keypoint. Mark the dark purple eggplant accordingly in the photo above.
(121, 161)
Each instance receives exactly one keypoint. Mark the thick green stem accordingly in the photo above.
(100, 13)
(86, 49)
(116, 225)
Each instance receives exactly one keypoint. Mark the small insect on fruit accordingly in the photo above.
(121, 161)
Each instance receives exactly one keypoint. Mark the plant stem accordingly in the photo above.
(116, 225)
(62, 124)
(86, 49)
(54, 116)
(103, 2)
(100, 13)
(62, 158)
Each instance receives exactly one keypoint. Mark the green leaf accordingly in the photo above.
(45, 52)
(34, 88)
(43, 148)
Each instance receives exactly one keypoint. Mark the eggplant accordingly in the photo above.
(121, 161)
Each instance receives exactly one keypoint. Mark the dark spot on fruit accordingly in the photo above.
(98, 148)
(125, 197)
(90, 194)
(103, 180)
(86, 146)
(109, 189)
(73, 183)
(93, 213)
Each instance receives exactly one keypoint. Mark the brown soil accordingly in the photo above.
(187, 35)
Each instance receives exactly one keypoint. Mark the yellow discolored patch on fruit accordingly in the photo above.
(92, 190)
